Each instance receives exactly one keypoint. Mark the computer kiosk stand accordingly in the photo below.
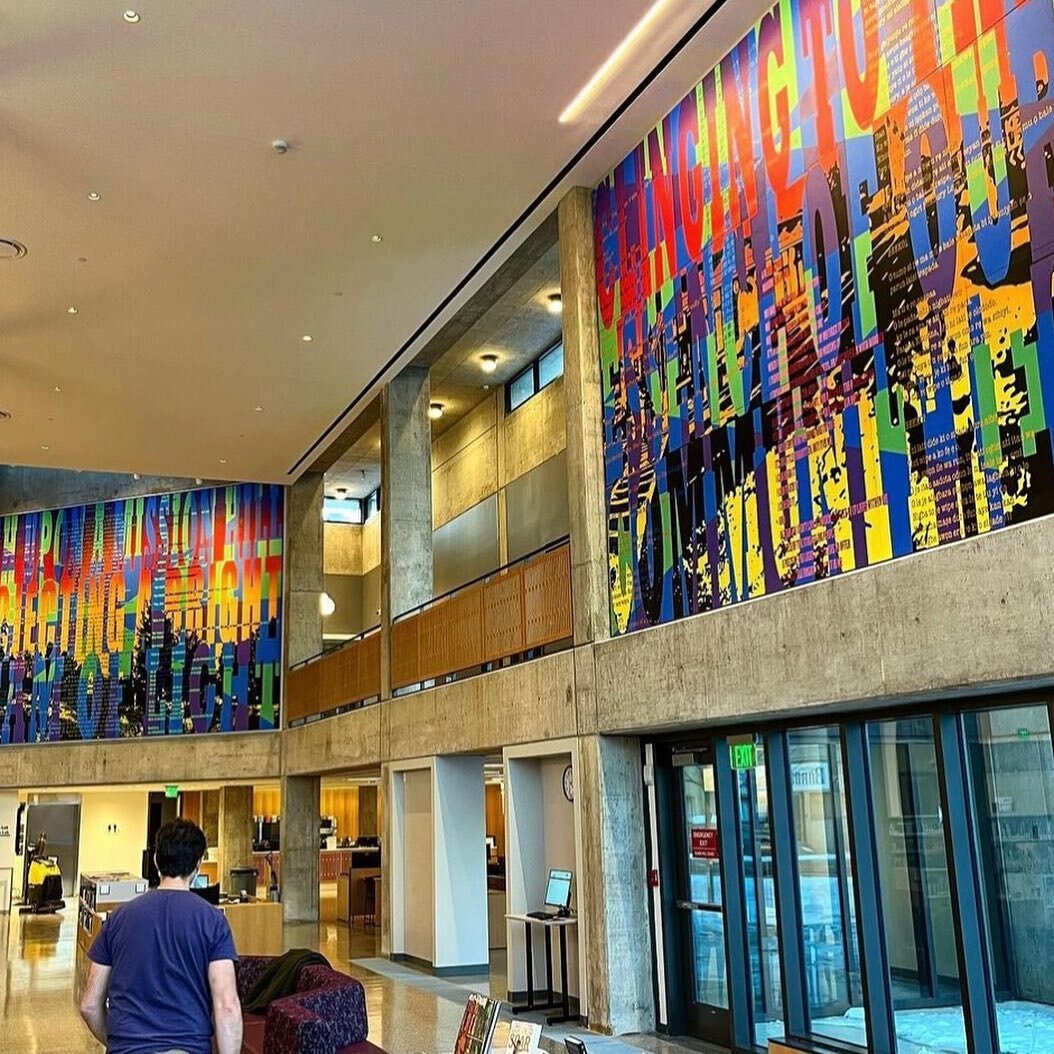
(553, 922)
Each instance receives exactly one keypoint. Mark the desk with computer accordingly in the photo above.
(556, 916)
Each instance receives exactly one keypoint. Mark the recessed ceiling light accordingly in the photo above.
(488, 363)
(44, 446)
(58, 387)
(307, 338)
(436, 411)
(132, 17)
(135, 475)
(71, 310)
(554, 303)
(223, 461)
(486, 387)
(11, 250)
(376, 238)
(94, 195)
(258, 409)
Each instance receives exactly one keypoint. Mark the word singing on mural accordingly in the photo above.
(824, 288)
(142, 617)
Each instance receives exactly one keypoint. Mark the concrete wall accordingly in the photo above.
(30, 489)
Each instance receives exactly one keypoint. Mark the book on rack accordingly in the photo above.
(524, 1037)
(477, 1025)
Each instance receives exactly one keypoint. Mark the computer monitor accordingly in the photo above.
(558, 890)
(210, 894)
(200, 882)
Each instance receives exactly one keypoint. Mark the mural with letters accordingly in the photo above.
(824, 289)
(142, 617)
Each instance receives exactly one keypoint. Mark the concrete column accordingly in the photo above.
(304, 568)
(614, 899)
(236, 830)
(386, 856)
(368, 812)
(301, 803)
(406, 503)
(585, 423)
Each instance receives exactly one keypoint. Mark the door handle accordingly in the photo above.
(695, 905)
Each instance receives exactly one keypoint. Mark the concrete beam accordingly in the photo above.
(236, 830)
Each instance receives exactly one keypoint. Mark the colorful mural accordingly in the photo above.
(824, 290)
(143, 617)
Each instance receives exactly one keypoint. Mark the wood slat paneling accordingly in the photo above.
(503, 616)
(302, 691)
(340, 678)
(547, 598)
(369, 667)
(405, 652)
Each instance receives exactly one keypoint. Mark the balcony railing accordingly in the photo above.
(514, 613)
(335, 681)
(518, 612)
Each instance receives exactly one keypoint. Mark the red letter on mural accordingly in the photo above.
(662, 207)
(816, 26)
(777, 156)
(735, 92)
(690, 176)
(862, 88)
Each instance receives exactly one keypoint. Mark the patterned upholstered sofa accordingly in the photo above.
(327, 1015)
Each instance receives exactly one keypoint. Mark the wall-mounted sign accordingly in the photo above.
(743, 755)
(704, 843)
(811, 776)
(172, 792)
(5, 830)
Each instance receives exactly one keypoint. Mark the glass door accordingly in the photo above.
(700, 903)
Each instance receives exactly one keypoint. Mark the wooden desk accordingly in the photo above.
(256, 927)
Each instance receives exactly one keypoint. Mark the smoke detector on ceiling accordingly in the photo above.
(11, 250)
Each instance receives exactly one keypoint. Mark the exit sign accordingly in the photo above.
(744, 755)
(172, 792)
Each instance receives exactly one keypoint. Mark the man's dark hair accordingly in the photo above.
(179, 848)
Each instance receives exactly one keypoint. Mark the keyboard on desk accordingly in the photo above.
(542, 916)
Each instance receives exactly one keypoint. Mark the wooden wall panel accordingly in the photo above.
(303, 685)
(503, 616)
(406, 652)
(368, 684)
(267, 802)
(495, 803)
(547, 598)
(342, 803)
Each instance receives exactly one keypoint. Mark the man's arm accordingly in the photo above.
(93, 1001)
(226, 1007)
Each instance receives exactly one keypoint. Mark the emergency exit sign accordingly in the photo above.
(172, 792)
(744, 755)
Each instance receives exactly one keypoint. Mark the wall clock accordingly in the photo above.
(569, 783)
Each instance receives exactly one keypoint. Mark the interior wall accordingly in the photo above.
(342, 803)
(8, 819)
(418, 887)
(499, 486)
(101, 847)
(495, 806)
(267, 801)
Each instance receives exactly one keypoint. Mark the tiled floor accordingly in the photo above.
(410, 1012)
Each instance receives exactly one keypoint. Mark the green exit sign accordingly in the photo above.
(744, 755)
(172, 792)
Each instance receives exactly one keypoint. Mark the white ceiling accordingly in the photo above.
(432, 122)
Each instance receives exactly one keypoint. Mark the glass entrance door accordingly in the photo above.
(700, 902)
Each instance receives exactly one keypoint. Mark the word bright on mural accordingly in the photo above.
(142, 617)
(824, 290)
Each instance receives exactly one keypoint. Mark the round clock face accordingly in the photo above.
(569, 783)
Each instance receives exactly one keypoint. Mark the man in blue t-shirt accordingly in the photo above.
(162, 967)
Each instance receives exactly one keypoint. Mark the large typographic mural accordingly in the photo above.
(142, 617)
(824, 290)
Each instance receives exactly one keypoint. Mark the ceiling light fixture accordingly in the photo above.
(598, 79)
(488, 363)
(436, 411)
(258, 409)
(197, 480)
(554, 304)
(326, 605)
(223, 461)
(44, 446)
(71, 310)
(135, 475)
(307, 338)
(94, 195)
(376, 238)
(132, 17)
(58, 387)
(11, 250)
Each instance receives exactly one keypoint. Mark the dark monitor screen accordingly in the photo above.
(558, 890)
(210, 894)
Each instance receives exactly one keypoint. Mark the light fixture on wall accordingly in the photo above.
(554, 303)
(488, 363)
(436, 411)
(326, 605)
(132, 17)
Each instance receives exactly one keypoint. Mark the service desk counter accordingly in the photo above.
(359, 885)
(256, 926)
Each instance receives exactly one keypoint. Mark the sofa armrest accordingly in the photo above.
(247, 971)
(293, 1029)
(342, 1007)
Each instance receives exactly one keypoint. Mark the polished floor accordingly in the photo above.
(410, 1013)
